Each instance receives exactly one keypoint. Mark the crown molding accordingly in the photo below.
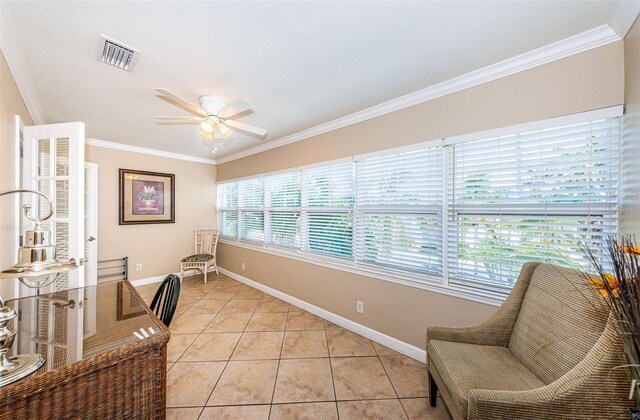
(584, 41)
(143, 150)
(625, 13)
(12, 52)
(622, 19)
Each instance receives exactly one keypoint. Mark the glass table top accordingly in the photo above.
(72, 325)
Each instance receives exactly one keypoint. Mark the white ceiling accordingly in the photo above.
(300, 63)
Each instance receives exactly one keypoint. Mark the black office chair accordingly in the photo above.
(165, 301)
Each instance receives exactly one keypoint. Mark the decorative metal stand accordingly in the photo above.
(36, 263)
(17, 367)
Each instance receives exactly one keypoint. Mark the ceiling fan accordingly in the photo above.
(215, 116)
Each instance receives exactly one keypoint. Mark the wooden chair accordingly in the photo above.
(165, 301)
(206, 243)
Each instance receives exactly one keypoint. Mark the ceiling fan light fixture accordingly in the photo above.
(207, 126)
(220, 131)
(215, 117)
(226, 131)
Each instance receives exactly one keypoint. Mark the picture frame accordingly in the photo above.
(146, 197)
(128, 305)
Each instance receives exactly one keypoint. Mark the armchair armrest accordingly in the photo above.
(495, 331)
(571, 395)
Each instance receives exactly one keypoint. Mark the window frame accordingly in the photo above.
(270, 210)
(440, 284)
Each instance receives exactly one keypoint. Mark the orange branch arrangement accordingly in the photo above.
(618, 283)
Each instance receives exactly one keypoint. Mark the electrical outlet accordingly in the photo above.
(360, 306)
(243, 266)
(139, 267)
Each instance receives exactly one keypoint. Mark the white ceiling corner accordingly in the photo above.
(145, 151)
(587, 40)
(17, 64)
(285, 65)
(625, 13)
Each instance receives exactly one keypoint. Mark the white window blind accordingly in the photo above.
(464, 216)
(251, 210)
(282, 209)
(227, 200)
(399, 211)
(532, 196)
(327, 209)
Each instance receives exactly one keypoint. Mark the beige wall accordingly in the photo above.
(158, 247)
(591, 80)
(11, 104)
(630, 156)
(587, 81)
(401, 312)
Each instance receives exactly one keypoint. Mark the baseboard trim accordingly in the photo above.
(388, 341)
(150, 280)
(158, 279)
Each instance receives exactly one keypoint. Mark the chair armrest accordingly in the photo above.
(495, 331)
(592, 389)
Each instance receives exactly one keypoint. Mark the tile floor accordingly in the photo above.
(237, 353)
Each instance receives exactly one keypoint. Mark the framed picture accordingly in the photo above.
(128, 305)
(146, 197)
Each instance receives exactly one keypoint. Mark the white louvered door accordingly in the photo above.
(54, 164)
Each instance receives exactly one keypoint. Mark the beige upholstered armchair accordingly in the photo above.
(550, 351)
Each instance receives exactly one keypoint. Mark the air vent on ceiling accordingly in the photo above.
(116, 54)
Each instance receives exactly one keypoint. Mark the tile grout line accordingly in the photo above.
(196, 339)
(189, 346)
(203, 407)
(333, 383)
(275, 382)
(302, 402)
(199, 334)
(228, 360)
(265, 297)
(390, 381)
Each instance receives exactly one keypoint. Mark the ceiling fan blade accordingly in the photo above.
(179, 118)
(181, 102)
(235, 107)
(247, 128)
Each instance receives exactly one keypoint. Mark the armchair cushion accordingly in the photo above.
(558, 361)
(464, 367)
(197, 258)
(560, 320)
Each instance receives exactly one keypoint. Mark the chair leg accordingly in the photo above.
(205, 275)
(433, 391)
(216, 267)
(181, 274)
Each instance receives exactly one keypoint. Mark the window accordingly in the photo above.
(462, 213)
(327, 209)
(227, 209)
(399, 210)
(251, 211)
(530, 196)
(282, 198)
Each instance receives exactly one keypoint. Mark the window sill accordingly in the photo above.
(424, 282)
